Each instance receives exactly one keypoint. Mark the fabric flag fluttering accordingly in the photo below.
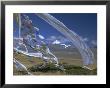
(20, 67)
(29, 37)
(84, 50)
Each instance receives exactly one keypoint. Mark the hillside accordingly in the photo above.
(72, 66)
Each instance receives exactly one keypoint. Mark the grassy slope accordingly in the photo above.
(72, 66)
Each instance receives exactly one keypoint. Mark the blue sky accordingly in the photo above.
(84, 24)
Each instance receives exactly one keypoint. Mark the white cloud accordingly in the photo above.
(65, 45)
(56, 42)
(58, 38)
(85, 39)
(94, 42)
(41, 37)
(51, 38)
